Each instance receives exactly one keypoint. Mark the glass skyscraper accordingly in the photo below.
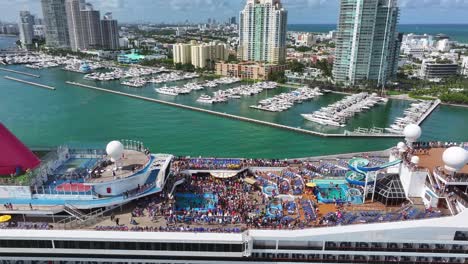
(110, 32)
(367, 45)
(26, 24)
(262, 32)
(56, 23)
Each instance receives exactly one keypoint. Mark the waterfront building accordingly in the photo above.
(205, 55)
(444, 45)
(262, 32)
(200, 56)
(432, 69)
(25, 25)
(132, 58)
(309, 74)
(182, 53)
(56, 23)
(248, 70)
(110, 32)
(91, 22)
(76, 27)
(367, 44)
(413, 40)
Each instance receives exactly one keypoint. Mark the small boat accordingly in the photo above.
(205, 99)
(166, 91)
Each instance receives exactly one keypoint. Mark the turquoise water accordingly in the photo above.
(458, 32)
(43, 118)
(197, 202)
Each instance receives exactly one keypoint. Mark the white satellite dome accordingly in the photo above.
(115, 150)
(455, 158)
(415, 160)
(401, 146)
(412, 132)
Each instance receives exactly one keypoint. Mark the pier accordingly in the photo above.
(18, 72)
(429, 112)
(235, 117)
(30, 83)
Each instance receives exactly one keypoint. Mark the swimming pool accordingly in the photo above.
(197, 202)
(331, 191)
(274, 209)
(326, 182)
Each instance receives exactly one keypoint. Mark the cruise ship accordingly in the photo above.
(120, 203)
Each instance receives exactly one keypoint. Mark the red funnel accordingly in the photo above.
(14, 154)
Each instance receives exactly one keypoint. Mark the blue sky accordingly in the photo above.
(300, 11)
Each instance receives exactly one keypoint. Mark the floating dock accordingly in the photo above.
(241, 118)
(30, 83)
(19, 72)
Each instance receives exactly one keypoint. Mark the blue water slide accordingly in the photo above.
(357, 175)
(381, 167)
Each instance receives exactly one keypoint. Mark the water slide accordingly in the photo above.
(359, 170)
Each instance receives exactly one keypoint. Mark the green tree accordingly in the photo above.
(296, 66)
(277, 77)
(303, 49)
(325, 67)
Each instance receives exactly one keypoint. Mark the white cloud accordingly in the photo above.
(434, 3)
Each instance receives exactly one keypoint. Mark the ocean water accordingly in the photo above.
(7, 42)
(458, 32)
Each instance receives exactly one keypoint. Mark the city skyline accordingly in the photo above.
(301, 11)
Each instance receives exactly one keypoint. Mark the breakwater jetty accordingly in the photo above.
(30, 83)
(236, 117)
(19, 72)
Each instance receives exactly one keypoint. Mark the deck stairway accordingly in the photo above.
(79, 219)
(75, 212)
(177, 183)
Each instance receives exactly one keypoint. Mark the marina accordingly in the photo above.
(135, 73)
(285, 101)
(30, 83)
(416, 114)
(177, 90)
(208, 128)
(222, 96)
(338, 113)
(241, 118)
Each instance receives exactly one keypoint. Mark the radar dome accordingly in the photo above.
(415, 160)
(401, 145)
(115, 150)
(412, 132)
(455, 158)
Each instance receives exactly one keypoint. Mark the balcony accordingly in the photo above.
(450, 179)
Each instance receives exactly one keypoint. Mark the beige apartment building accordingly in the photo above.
(201, 55)
(248, 70)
